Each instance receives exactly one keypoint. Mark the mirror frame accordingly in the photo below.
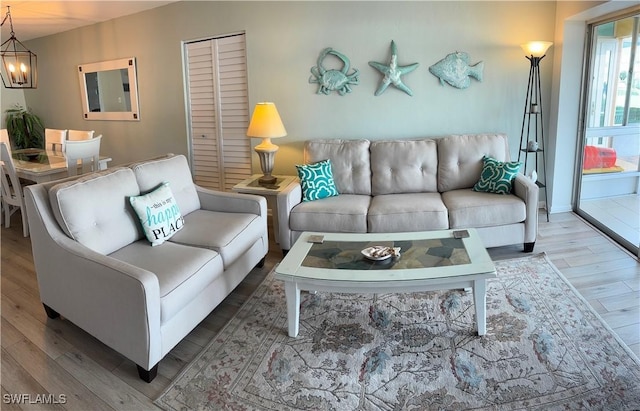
(125, 63)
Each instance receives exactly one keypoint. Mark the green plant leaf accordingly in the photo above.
(25, 129)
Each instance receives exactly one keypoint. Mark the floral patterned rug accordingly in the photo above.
(545, 348)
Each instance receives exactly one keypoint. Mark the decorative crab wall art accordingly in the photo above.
(332, 79)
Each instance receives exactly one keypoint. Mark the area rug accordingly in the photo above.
(545, 348)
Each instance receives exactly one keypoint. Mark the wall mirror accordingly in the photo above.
(109, 90)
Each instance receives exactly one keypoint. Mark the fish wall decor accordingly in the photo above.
(456, 71)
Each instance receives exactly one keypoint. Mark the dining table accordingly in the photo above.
(40, 165)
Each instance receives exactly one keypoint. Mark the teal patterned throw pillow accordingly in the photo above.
(316, 180)
(497, 176)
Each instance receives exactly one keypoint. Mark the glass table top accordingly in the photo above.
(347, 255)
(38, 160)
(425, 255)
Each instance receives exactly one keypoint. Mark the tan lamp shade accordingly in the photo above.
(536, 48)
(266, 122)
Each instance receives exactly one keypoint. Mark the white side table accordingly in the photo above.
(251, 186)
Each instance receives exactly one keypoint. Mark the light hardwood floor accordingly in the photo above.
(43, 356)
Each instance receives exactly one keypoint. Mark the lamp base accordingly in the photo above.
(266, 156)
(267, 180)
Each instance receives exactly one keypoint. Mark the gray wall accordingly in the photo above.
(10, 98)
(283, 43)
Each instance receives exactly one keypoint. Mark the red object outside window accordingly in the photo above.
(599, 157)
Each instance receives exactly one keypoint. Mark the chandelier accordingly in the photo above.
(19, 65)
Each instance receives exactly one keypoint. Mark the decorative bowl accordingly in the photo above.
(380, 252)
(31, 152)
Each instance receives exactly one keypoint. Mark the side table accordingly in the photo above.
(251, 186)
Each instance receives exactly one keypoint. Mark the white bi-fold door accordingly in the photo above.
(218, 111)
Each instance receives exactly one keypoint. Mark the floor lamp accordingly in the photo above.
(532, 132)
(266, 124)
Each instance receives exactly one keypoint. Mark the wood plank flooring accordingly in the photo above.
(72, 370)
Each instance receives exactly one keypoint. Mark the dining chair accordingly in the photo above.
(4, 138)
(77, 135)
(54, 139)
(85, 151)
(12, 196)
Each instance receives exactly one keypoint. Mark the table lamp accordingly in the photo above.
(266, 124)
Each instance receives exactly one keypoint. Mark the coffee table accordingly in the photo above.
(430, 260)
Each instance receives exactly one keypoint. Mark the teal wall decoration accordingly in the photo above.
(393, 73)
(333, 80)
(455, 70)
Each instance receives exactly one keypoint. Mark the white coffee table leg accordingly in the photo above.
(480, 299)
(292, 293)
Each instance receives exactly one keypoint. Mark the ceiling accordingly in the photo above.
(33, 19)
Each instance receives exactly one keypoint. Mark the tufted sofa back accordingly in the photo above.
(404, 166)
(350, 163)
(460, 158)
(426, 165)
(94, 211)
(173, 169)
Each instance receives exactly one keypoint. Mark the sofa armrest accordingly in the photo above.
(529, 192)
(114, 301)
(213, 200)
(287, 199)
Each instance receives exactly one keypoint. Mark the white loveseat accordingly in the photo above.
(96, 268)
(412, 185)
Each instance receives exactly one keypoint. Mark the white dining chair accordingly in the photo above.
(54, 139)
(4, 138)
(87, 152)
(12, 196)
(78, 135)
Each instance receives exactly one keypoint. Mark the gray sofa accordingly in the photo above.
(412, 185)
(96, 268)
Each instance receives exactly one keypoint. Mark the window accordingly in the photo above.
(610, 177)
(611, 143)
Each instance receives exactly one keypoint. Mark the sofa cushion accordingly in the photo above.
(174, 170)
(407, 212)
(497, 176)
(349, 162)
(94, 209)
(468, 209)
(316, 180)
(230, 234)
(158, 213)
(345, 213)
(183, 272)
(404, 166)
(460, 158)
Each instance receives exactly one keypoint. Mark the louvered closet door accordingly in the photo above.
(219, 111)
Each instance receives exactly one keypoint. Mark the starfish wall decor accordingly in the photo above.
(393, 73)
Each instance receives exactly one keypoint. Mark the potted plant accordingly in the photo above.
(25, 129)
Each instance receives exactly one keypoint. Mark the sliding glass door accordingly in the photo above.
(609, 178)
